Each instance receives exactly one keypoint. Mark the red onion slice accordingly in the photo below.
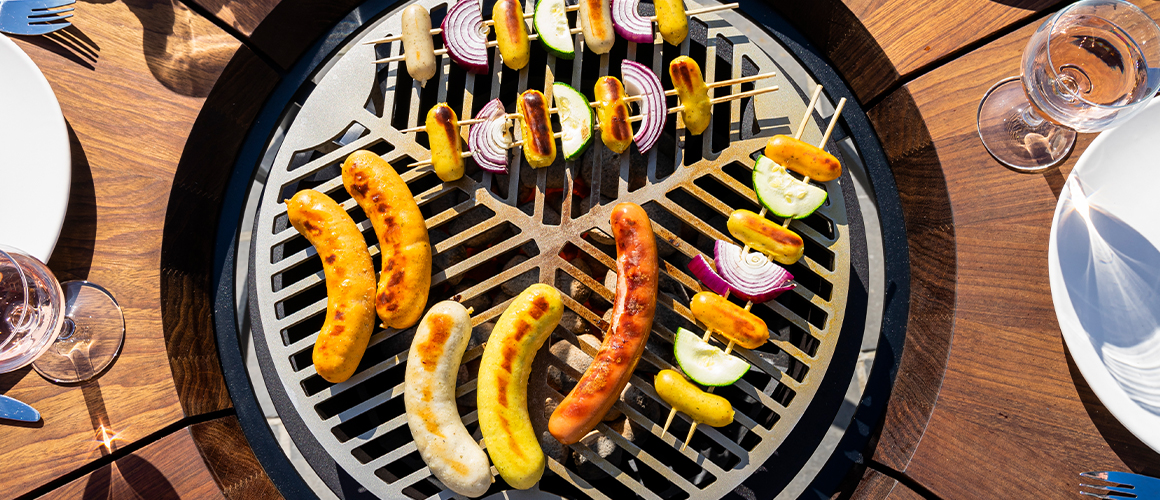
(465, 36)
(703, 270)
(752, 276)
(628, 22)
(640, 80)
(487, 139)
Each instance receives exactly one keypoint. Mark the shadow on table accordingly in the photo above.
(70, 43)
(73, 255)
(137, 473)
(1135, 454)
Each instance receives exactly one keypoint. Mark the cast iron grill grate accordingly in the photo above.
(493, 235)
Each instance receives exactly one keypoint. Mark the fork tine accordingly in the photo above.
(49, 16)
(52, 12)
(43, 29)
(47, 4)
(1105, 497)
(1116, 489)
(1099, 475)
(46, 20)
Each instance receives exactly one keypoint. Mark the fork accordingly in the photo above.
(1127, 485)
(34, 17)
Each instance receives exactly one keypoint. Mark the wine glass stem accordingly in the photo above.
(1031, 117)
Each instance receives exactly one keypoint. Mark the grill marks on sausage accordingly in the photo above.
(535, 114)
(613, 110)
(429, 421)
(507, 429)
(439, 330)
(445, 118)
(596, 22)
(776, 233)
(513, 19)
(682, 76)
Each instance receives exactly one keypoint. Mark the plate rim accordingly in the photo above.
(1144, 425)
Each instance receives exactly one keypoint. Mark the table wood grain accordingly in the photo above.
(130, 78)
(1012, 418)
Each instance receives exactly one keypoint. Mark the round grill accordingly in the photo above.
(493, 235)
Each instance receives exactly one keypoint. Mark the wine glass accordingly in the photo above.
(1086, 69)
(69, 331)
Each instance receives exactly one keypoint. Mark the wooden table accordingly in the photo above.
(987, 404)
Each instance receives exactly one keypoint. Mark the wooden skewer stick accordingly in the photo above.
(557, 135)
(809, 112)
(395, 38)
(400, 58)
(705, 10)
(825, 137)
(736, 81)
(727, 98)
(424, 163)
(462, 123)
(631, 98)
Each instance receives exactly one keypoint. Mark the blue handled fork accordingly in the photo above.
(1124, 485)
(34, 17)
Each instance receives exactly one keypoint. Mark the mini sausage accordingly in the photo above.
(637, 276)
(536, 128)
(702, 407)
(511, 32)
(350, 282)
(686, 76)
(502, 386)
(672, 21)
(417, 43)
(615, 130)
(765, 236)
(806, 159)
(402, 233)
(729, 319)
(429, 397)
(446, 143)
(596, 23)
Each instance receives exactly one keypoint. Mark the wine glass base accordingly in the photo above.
(1016, 135)
(91, 338)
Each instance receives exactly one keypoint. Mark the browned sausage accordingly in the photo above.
(536, 128)
(615, 130)
(632, 317)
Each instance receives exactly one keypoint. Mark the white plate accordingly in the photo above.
(35, 163)
(1105, 270)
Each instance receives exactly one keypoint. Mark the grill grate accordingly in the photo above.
(494, 234)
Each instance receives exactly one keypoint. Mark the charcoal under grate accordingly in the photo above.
(493, 235)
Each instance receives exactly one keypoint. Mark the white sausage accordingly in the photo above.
(596, 21)
(417, 43)
(429, 396)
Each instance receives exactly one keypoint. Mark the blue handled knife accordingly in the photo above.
(12, 409)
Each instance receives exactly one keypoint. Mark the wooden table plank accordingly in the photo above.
(168, 469)
(1011, 419)
(877, 485)
(242, 15)
(130, 78)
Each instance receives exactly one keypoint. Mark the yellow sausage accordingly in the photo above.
(536, 128)
(596, 24)
(402, 232)
(704, 408)
(765, 236)
(446, 144)
(686, 75)
(806, 159)
(672, 21)
(417, 43)
(511, 33)
(350, 282)
(729, 319)
(615, 130)
(502, 387)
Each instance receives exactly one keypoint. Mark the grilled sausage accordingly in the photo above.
(429, 396)
(806, 159)
(615, 130)
(596, 23)
(765, 236)
(729, 319)
(402, 233)
(350, 282)
(417, 43)
(686, 75)
(536, 128)
(446, 143)
(632, 317)
(672, 21)
(704, 408)
(511, 32)
(502, 387)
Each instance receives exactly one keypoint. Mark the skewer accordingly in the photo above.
(422, 128)
(395, 38)
(731, 82)
(439, 52)
(809, 111)
(705, 10)
(424, 163)
(727, 98)
(568, 8)
(516, 144)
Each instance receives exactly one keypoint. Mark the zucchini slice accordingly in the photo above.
(705, 364)
(551, 23)
(576, 118)
(783, 194)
